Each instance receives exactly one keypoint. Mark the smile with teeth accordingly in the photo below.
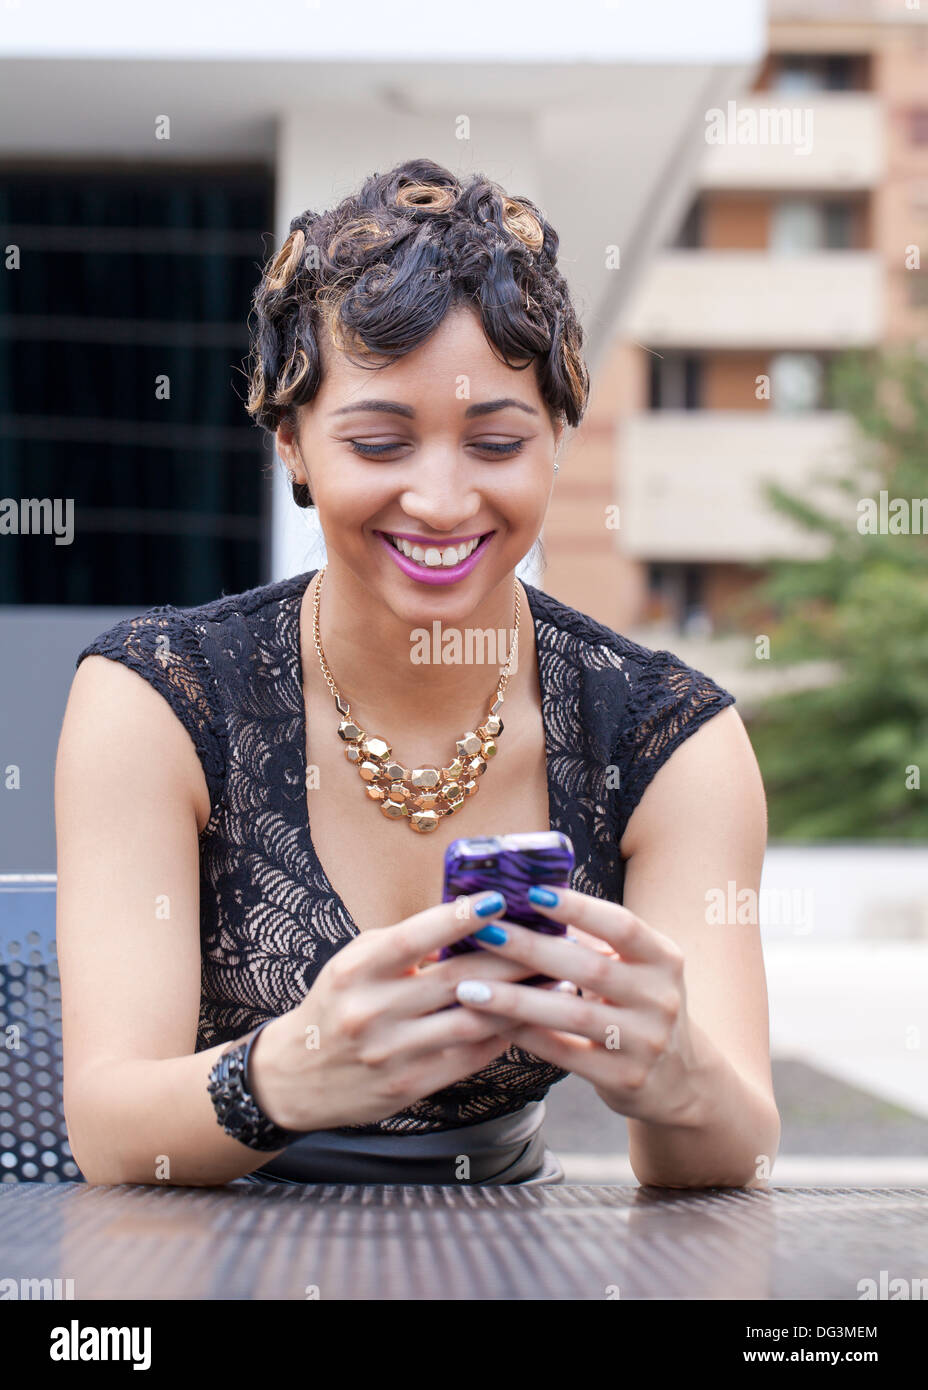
(435, 557)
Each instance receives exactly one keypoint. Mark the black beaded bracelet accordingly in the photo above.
(236, 1108)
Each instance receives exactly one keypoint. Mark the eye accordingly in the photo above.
(507, 450)
(513, 447)
(371, 451)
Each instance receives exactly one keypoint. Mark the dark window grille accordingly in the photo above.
(674, 381)
(830, 72)
(127, 277)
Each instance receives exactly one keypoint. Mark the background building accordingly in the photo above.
(786, 253)
(151, 161)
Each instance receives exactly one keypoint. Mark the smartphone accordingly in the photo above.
(509, 864)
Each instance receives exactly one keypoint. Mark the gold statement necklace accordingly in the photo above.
(421, 795)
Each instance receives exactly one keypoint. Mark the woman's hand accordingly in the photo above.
(628, 1033)
(380, 1027)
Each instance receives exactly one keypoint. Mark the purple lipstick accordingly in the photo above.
(436, 574)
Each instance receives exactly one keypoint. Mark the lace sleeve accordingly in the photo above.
(163, 648)
(669, 702)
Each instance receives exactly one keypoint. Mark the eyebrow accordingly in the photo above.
(397, 407)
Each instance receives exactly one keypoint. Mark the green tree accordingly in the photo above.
(838, 757)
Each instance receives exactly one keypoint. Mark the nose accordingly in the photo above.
(439, 493)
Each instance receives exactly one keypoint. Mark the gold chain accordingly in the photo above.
(421, 796)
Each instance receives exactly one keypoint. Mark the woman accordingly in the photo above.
(246, 1000)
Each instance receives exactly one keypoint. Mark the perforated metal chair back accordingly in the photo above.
(33, 1135)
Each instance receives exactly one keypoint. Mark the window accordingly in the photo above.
(797, 381)
(793, 75)
(834, 72)
(838, 227)
(795, 227)
(801, 225)
(676, 596)
(122, 346)
(675, 381)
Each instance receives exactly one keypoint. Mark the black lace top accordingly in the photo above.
(613, 712)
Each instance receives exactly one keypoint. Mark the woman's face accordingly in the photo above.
(460, 447)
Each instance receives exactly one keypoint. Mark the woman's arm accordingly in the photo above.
(670, 1027)
(701, 825)
(130, 798)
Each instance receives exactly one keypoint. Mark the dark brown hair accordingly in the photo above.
(380, 271)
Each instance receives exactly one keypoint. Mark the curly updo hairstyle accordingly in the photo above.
(381, 270)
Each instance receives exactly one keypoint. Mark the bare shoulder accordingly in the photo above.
(711, 779)
(120, 731)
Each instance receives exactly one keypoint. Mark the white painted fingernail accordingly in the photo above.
(473, 992)
(566, 987)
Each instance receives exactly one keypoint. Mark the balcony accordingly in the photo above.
(690, 483)
(835, 141)
(754, 299)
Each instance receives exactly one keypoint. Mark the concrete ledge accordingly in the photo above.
(790, 1171)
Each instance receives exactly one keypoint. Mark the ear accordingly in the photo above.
(286, 443)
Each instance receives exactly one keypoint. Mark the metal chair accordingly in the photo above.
(33, 1135)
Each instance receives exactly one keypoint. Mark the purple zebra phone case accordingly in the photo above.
(510, 864)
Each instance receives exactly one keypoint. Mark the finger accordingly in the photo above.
(433, 1033)
(458, 1062)
(434, 986)
(546, 1008)
(394, 950)
(615, 1071)
(425, 991)
(564, 1050)
(602, 1024)
(595, 971)
(627, 934)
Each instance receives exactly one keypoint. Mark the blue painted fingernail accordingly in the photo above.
(490, 904)
(494, 935)
(545, 897)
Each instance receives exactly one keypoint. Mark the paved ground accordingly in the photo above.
(849, 1038)
(833, 1133)
(857, 1010)
(820, 1114)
